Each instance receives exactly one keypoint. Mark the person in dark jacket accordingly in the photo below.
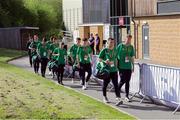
(91, 42)
(29, 50)
(97, 41)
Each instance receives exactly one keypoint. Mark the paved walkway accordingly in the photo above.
(145, 110)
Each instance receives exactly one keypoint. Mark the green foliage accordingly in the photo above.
(45, 14)
(4, 18)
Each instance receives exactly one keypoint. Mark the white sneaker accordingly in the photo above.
(84, 87)
(105, 100)
(127, 99)
(119, 101)
(72, 80)
(86, 84)
(50, 73)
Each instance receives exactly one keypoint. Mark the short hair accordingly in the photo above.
(35, 35)
(85, 39)
(129, 36)
(44, 38)
(55, 38)
(78, 38)
(52, 37)
(110, 39)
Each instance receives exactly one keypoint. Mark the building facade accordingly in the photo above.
(119, 19)
(95, 19)
(72, 14)
(156, 31)
(154, 24)
(16, 37)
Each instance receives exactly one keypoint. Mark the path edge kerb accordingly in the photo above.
(18, 57)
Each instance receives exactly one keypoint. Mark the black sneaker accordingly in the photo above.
(62, 83)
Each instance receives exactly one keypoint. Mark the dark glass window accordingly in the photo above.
(168, 7)
(118, 7)
(95, 11)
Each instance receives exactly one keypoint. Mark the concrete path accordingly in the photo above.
(145, 110)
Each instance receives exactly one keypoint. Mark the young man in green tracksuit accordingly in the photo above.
(109, 57)
(84, 58)
(43, 53)
(60, 54)
(35, 58)
(48, 43)
(126, 55)
(73, 53)
(52, 58)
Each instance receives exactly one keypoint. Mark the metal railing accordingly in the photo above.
(161, 83)
(156, 82)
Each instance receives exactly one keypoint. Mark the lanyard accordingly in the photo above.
(127, 49)
(111, 55)
(85, 50)
(59, 52)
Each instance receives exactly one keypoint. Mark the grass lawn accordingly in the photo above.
(24, 95)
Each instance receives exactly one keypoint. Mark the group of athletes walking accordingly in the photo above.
(114, 60)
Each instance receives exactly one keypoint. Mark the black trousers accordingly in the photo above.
(92, 47)
(50, 59)
(125, 79)
(114, 77)
(97, 49)
(36, 65)
(60, 72)
(83, 69)
(30, 58)
(74, 69)
(44, 62)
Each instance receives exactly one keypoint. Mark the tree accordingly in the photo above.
(45, 14)
(13, 14)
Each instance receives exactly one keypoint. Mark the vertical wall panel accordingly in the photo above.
(95, 11)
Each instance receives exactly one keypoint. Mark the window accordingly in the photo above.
(168, 7)
(145, 41)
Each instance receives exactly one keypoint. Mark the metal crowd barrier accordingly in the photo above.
(135, 82)
(161, 83)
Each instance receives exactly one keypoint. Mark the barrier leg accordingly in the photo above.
(140, 84)
(110, 90)
(176, 109)
(137, 93)
(142, 99)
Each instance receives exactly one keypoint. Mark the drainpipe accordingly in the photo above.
(135, 27)
(135, 37)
